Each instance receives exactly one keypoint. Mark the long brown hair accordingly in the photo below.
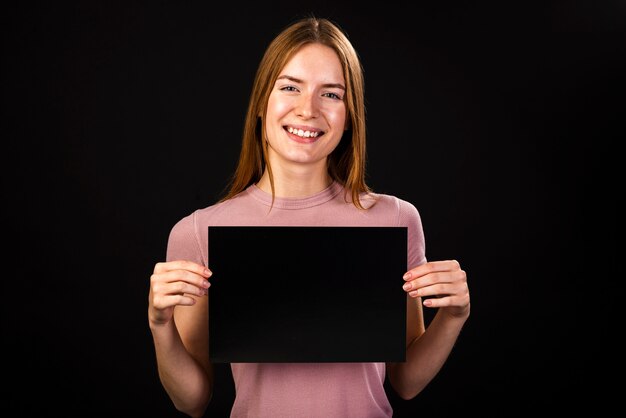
(346, 164)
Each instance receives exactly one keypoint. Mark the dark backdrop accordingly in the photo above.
(500, 121)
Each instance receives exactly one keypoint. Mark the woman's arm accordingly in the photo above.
(428, 349)
(178, 318)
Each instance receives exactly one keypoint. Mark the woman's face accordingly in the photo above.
(306, 112)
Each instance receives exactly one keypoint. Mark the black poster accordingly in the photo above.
(307, 294)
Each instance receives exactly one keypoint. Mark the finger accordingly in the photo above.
(199, 269)
(439, 289)
(431, 267)
(428, 280)
(457, 276)
(447, 301)
(167, 301)
(180, 287)
(433, 290)
(186, 276)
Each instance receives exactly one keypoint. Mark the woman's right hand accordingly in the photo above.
(173, 283)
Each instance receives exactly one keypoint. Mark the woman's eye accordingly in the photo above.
(332, 96)
(288, 88)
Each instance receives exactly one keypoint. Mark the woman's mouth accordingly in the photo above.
(303, 136)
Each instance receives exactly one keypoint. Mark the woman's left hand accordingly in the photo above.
(443, 284)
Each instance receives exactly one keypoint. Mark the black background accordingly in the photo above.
(500, 121)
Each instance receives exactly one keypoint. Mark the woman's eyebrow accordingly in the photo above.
(297, 80)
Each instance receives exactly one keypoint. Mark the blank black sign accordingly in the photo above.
(307, 294)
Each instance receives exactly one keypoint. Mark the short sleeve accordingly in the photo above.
(410, 217)
(183, 242)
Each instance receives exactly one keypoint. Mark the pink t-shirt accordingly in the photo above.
(307, 390)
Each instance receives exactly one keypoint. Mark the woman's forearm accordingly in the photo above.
(188, 384)
(426, 355)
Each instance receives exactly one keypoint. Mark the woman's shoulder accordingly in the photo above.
(204, 215)
(388, 202)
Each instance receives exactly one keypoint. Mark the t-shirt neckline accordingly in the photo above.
(298, 202)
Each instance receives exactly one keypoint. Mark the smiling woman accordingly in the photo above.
(302, 162)
(305, 119)
(346, 163)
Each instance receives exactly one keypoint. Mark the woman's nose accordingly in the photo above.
(307, 106)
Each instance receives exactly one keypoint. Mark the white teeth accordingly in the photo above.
(302, 133)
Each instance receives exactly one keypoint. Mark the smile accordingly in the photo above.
(304, 134)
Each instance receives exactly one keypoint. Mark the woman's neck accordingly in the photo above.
(294, 184)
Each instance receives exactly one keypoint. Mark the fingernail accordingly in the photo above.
(406, 286)
(407, 275)
(207, 272)
(205, 283)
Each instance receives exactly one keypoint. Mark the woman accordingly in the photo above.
(302, 163)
